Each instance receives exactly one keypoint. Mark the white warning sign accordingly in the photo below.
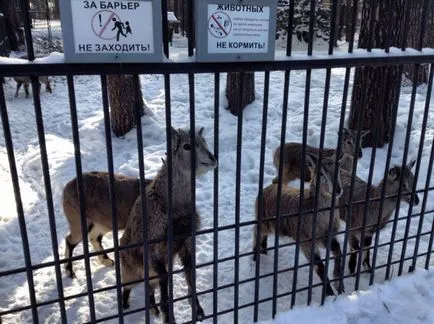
(112, 26)
(235, 28)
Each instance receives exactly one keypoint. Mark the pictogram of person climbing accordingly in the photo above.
(119, 26)
(127, 28)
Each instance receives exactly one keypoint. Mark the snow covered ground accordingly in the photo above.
(406, 299)
(56, 114)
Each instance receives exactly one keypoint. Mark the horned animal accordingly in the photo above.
(290, 205)
(26, 81)
(96, 192)
(157, 204)
(358, 203)
(292, 153)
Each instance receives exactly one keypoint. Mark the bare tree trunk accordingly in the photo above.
(413, 38)
(375, 88)
(10, 9)
(123, 103)
(233, 84)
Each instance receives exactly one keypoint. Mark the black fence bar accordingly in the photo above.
(353, 25)
(143, 201)
(260, 200)
(80, 189)
(404, 163)
(428, 178)
(216, 196)
(112, 194)
(193, 196)
(19, 203)
(292, 63)
(169, 162)
(48, 193)
(237, 198)
(279, 189)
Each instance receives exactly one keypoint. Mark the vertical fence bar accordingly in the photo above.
(143, 201)
(407, 10)
(353, 26)
(416, 175)
(311, 25)
(48, 193)
(169, 192)
(301, 210)
(84, 229)
(330, 235)
(24, 6)
(386, 171)
(165, 28)
(431, 238)
(341, 126)
(260, 188)
(237, 200)
(333, 26)
(193, 195)
(18, 202)
(191, 31)
(216, 195)
(428, 178)
(112, 194)
(279, 191)
(289, 28)
(404, 162)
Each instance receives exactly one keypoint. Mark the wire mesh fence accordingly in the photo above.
(336, 210)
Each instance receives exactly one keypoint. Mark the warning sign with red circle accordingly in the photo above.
(219, 24)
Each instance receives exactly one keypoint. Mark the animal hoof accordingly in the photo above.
(200, 315)
(70, 272)
(107, 262)
(126, 305)
(155, 311)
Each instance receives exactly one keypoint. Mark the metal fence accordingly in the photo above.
(306, 63)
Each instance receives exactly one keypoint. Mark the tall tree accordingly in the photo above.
(233, 90)
(123, 102)
(417, 13)
(14, 31)
(375, 88)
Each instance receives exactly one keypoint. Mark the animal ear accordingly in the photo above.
(411, 164)
(164, 161)
(394, 173)
(345, 131)
(175, 138)
(201, 131)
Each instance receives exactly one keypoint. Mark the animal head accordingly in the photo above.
(394, 178)
(182, 152)
(349, 140)
(326, 174)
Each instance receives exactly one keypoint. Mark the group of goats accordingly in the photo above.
(128, 202)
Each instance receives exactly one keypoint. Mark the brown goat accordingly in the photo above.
(292, 153)
(157, 202)
(26, 81)
(290, 206)
(96, 192)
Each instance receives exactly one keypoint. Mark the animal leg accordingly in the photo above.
(26, 89)
(71, 242)
(366, 253)
(160, 268)
(185, 255)
(337, 253)
(153, 307)
(48, 87)
(354, 246)
(95, 237)
(263, 239)
(18, 88)
(319, 266)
